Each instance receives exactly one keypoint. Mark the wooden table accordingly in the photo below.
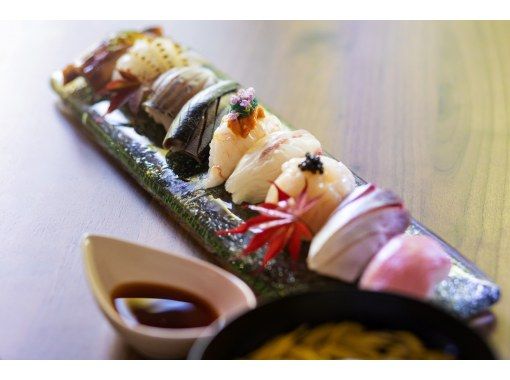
(421, 107)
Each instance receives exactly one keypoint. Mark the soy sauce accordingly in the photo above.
(161, 306)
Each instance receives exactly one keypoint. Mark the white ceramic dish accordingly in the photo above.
(110, 262)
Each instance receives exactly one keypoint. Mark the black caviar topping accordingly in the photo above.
(312, 163)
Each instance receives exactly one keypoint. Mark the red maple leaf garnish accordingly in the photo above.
(127, 90)
(278, 224)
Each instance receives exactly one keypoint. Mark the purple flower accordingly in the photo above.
(232, 115)
(234, 99)
(250, 93)
(244, 97)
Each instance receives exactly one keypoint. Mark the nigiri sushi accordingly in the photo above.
(150, 57)
(246, 123)
(173, 89)
(325, 178)
(365, 220)
(228, 147)
(262, 163)
(98, 65)
(410, 265)
(138, 68)
(193, 127)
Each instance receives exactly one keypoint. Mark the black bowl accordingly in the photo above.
(434, 327)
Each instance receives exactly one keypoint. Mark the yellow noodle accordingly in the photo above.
(317, 335)
(303, 353)
(346, 340)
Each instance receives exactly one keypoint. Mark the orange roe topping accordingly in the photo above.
(242, 126)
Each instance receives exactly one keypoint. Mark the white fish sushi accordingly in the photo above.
(325, 178)
(409, 265)
(228, 147)
(262, 163)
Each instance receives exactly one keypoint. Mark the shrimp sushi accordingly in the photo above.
(325, 178)
(262, 163)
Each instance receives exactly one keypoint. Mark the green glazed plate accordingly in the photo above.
(465, 293)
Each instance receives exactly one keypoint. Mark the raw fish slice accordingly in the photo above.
(409, 265)
(356, 231)
(173, 89)
(358, 192)
(227, 147)
(337, 229)
(331, 186)
(360, 241)
(262, 163)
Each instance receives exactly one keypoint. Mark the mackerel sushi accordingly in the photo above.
(171, 91)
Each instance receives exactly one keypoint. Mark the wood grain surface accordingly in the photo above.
(419, 107)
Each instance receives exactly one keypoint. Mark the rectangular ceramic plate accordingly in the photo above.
(465, 293)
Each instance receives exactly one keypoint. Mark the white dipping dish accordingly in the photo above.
(111, 262)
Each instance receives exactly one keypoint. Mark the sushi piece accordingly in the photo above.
(262, 163)
(227, 147)
(173, 89)
(98, 65)
(148, 58)
(361, 225)
(137, 69)
(409, 265)
(325, 178)
(236, 134)
(193, 127)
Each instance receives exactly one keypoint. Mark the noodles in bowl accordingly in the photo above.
(346, 340)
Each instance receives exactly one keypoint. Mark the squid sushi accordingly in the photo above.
(173, 89)
(325, 178)
(262, 163)
(148, 58)
(409, 265)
